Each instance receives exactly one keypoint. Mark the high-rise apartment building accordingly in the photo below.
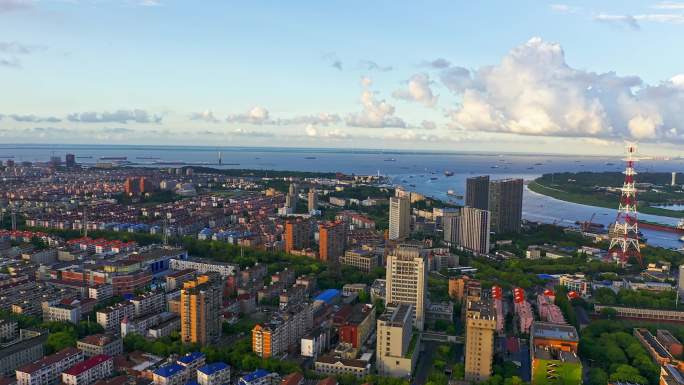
(70, 161)
(137, 185)
(680, 280)
(332, 239)
(450, 224)
(406, 280)
(200, 305)
(479, 348)
(312, 199)
(297, 234)
(473, 230)
(477, 192)
(396, 348)
(399, 218)
(283, 330)
(505, 205)
(292, 196)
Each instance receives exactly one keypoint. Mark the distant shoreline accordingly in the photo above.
(589, 200)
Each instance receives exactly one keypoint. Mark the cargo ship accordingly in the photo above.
(678, 228)
(113, 158)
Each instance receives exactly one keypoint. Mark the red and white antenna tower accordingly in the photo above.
(624, 242)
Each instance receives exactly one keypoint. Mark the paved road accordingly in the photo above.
(425, 362)
(526, 364)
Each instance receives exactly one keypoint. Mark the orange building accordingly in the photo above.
(262, 341)
(297, 234)
(137, 185)
(200, 305)
(457, 287)
(332, 241)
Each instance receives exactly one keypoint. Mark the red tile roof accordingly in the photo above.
(87, 364)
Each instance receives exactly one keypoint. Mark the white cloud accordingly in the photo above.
(207, 116)
(672, 5)
(418, 91)
(261, 116)
(533, 91)
(322, 118)
(257, 115)
(311, 130)
(375, 113)
(662, 18)
(120, 116)
(428, 125)
(456, 79)
(14, 5)
(250, 133)
(439, 63)
(626, 20)
(33, 118)
(370, 65)
(563, 8)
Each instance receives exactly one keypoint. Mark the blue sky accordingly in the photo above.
(521, 76)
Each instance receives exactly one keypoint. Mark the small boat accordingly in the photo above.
(539, 164)
(448, 173)
(494, 166)
(610, 164)
(310, 157)
(451, 192)
(433, 178)
(681, 239)
(390, 160)
(530, 168)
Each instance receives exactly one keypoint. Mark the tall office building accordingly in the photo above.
(70, 160)
(477, 192)
(505, 205)
(393, 342)
(312, 199)
(200, 306)
(292, 196)
(473, 230)
(399, 218)
(332, 239)
(479, 348)
(297, 234)
(406, 280)
(680, 281)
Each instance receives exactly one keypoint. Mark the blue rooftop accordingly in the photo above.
(191, 357)
(213, 368)
(255, 375)
(545, 276)
(328, 295)
(169, 370)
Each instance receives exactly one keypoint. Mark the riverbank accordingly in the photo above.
(596, 201)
